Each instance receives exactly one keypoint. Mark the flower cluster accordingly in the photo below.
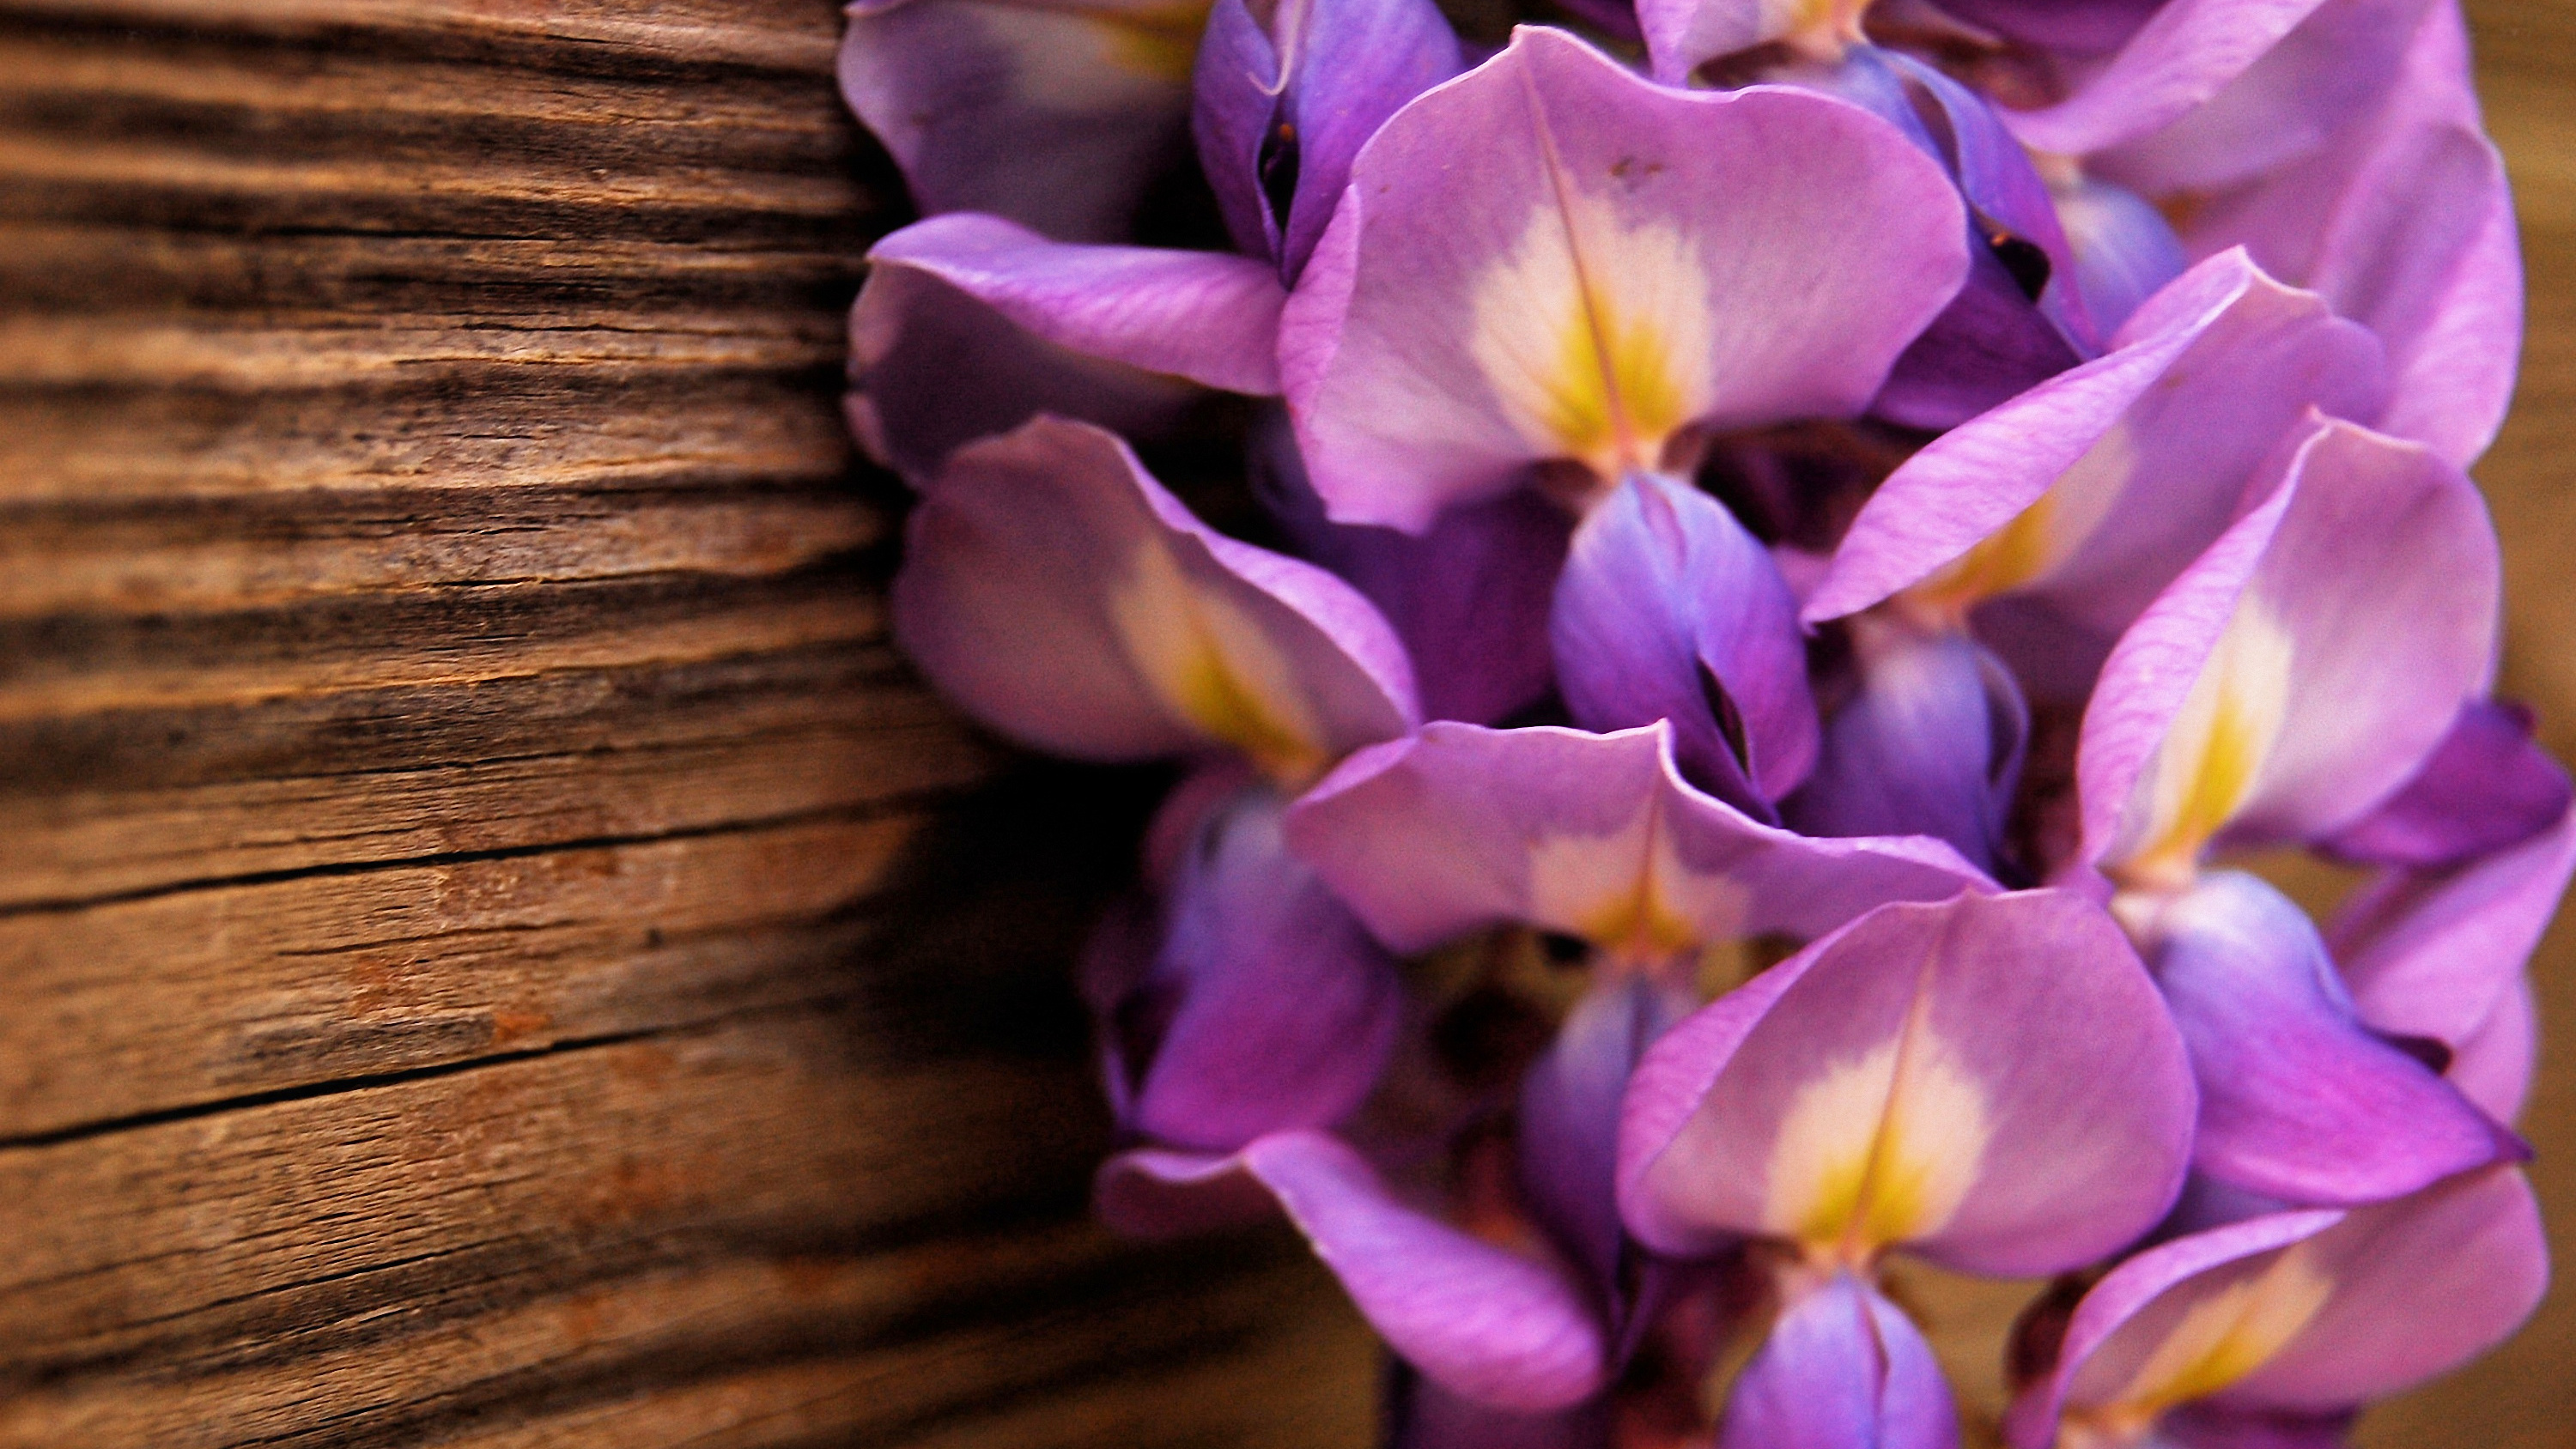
(1780, 560)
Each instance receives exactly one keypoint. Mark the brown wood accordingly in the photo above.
(495, 949)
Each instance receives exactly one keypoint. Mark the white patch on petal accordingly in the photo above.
(1630, 893)
(1595, 335)
(2211, 761)
(1212, 667)
(1877, 1150)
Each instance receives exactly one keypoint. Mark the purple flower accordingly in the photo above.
(1595, 837)
(2350, 160)
(1109, 335)
(1283, 106)
(2297, 674)
(1056, 115)
(2273, 1330)
(1991, 1083)
(1068, 601)
(1622, 266)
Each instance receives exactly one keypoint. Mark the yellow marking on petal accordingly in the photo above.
(1213, 668)
(2038, 538)
(1819, 29)
(2212, 756)
(2217, 1342)
(1097, 59)
(1156, 39)
(1629, 893)
(1878, 1150)
(1595, 333)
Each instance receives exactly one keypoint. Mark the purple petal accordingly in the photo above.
(2100, 485)
(1063, 597)
(2302, 1313)
(1598, 836)
(2484, 788)
(1842, 1367)
(2297, 1100)
(1470, 598)
(1489, 1325)
(1682, 35)
(1569, 1116)
(2492, 1064)
(2283, 706)
(2122, 1321)
(1929, 743)
(1991, 1082)
(2124, 249)
(1056, 117)
(1669, 609)
(1205, 316)
(915, 341)
(1282, 109)
(2183, 55)
(1280, 1009)
(2337, 66)
(2431, 953)
(1985, 348)
(1623, 261)
(2405, 223)
(2019, 320)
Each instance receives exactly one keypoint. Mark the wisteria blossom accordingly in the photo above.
(1762, 588)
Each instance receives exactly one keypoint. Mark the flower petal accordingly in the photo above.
(2184, 53)
(1205, 316)
(1281, 109)
(2430, 953)
(2101, 484)
(1569, 1116)
(912, 336)
(1596, 836)
(2404, 222)
(2124, 250)
(1842, 1367)
(2486, 787)
(2300, 1312)
(1991, 1082)
(2302, 669)
(1278, 1009)
(1669, 609)
(2297, 1100)
(1929, 743)
(1057, 116)
(1470, 598)
(1622, 261)
(1493, 1327)
(1067, 600)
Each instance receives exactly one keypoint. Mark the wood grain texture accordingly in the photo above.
(495, 950)
(494, 947)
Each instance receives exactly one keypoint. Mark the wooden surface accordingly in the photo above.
(494, 950)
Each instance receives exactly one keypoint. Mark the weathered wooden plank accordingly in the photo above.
(538, 433)
(141, 1006)
(784, 35)
(432, 1259)
(74, 663)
